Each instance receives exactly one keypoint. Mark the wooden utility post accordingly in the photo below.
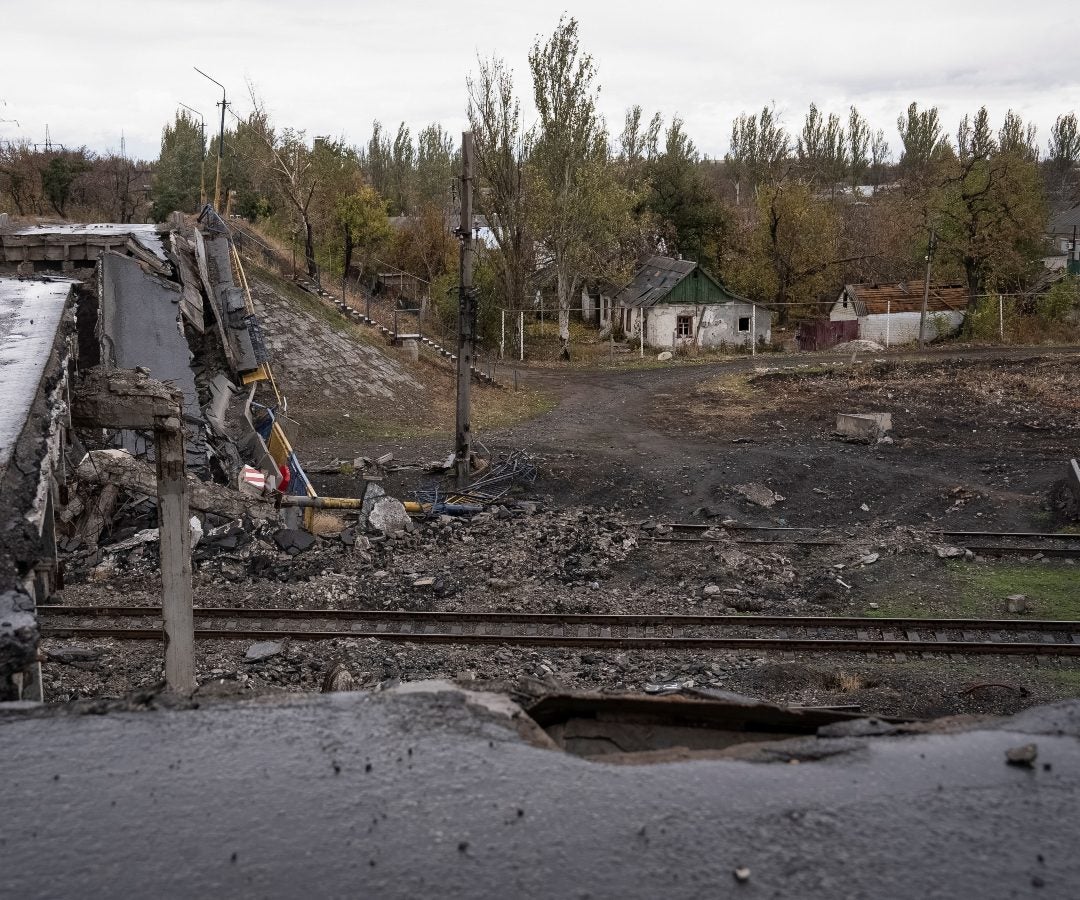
(466, 316)
(926, 289)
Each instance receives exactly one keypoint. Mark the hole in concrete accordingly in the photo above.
(613, 729)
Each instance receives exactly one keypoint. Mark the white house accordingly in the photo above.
(679, 303)
(890, 313)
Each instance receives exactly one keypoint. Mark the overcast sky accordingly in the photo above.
(94, 71)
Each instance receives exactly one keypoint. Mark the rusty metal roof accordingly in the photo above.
(905, 296)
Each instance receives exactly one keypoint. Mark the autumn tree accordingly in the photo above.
(678, 194)
(578, 209)
(790, 252)
(361, 216)
(1064, 154)
(176, 184)
(435, 157)
(499, 138)
(989, 211)
(821, 147)
(924, 142)
(760, 147)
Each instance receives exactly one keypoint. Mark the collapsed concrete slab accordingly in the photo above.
(139, 325)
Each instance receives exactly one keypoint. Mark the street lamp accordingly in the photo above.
(202, 156)
(221, 138)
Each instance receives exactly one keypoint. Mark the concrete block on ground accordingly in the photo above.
(863, 426)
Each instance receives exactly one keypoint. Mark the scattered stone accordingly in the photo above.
(1024, 755)
(348, 536)
(742, 874)
(950, 552)
(427, 581)
(710, 590)
(870, 559)
(665, 356)
(864, 508)
(74, 654)
(759, 494)
(262, 650)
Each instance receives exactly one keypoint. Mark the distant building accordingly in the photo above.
(890, 313)
(677, 302)
(1063, 232)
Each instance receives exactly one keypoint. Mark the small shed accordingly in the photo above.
(677, 302)
(890, 313)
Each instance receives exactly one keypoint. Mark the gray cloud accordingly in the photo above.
(332, 67)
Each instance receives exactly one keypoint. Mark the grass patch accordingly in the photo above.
(1053, 591)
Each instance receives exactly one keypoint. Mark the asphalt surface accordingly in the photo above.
(428, 794)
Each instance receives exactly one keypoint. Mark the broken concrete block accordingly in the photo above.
(18, 638)
(388, 515)
(1016, 603)
(262, 650)
(372, 493)
(863, 426)
(427, 581)
(665, 356)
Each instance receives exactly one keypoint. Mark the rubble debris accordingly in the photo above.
(117, 467)
(863, 427)
(389, 516)
(742, 873)
(858, 346)
(293, 540)
(665, 356)
(263, 650)
(18, 638)
(759, 494)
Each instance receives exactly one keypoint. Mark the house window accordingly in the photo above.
(684, 326)
(744, 323)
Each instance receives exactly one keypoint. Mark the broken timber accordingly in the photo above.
(127, 399)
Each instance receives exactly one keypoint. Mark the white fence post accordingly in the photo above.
(502, 340)
(753, 329)
(521, 336)
(1001, 318)
(888, 322)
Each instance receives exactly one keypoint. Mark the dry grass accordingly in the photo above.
(323, 522)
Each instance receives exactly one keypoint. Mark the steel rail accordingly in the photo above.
(642, 643)
(577, 619)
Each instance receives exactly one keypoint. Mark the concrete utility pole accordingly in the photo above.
(221, 138)
(926, 288)
(466, 316)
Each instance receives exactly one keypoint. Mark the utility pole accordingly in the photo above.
(221, 138)
(202, 156)
(466, 316)
(926, 288)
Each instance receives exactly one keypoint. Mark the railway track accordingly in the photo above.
(658, 632)
(1060, 544)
